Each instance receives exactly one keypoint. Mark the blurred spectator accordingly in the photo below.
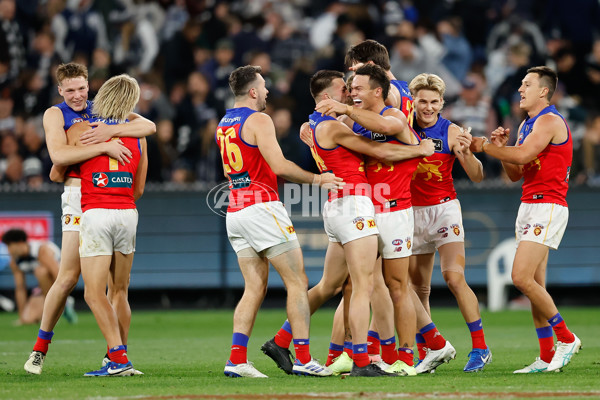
(153, 103)
(570, 71)
(12, 46)
(517, 29)
(42, 55)
(215, 28)
(322, 29)
(591, 99)
(34, 144)
(577, 21)
(195, 112)
(79, 29)
(458, 55)
(162, 152)
(474, 109)
(33, 172)
(245, 39)
(137, 44)
(518, 61)
(178, 54)
(288, 45)
(589, 153)
(7, 117)
(288, 138)
(11, 163)
(275, 79)
(217, 71)
(32, 96)
(408, 60)
(332, 55)
(99, 70)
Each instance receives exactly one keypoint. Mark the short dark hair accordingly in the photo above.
(377, 78)
(241, 77)
(548, 78)
(14, 235)
(322, 79)
(369, 50)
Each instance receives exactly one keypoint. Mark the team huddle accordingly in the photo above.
(386, 155)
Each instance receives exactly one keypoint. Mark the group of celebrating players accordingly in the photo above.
(386, 154)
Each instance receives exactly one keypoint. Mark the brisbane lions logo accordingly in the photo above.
(100, 179)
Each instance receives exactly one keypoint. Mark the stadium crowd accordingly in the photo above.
(183, 51)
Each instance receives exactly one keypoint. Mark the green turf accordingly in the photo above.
(182, 354)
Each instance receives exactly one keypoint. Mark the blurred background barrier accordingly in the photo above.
(182, 244)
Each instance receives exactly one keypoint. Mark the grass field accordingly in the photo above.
(182, 354)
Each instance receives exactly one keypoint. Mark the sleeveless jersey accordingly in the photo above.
(406, 100)
(546, 178)
(30, 262)
(432, 182)
(105, 183)
(344, 163)
(251, 180)
(390, 181)
(71, 117)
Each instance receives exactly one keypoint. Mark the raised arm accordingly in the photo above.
(342, 135)
(263, 130)
(63, 154)
(392, 123)
(137, 126)
(460, 140)
(142, 170)
(500, 138)
(542, 134)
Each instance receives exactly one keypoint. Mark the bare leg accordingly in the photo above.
(381, 305)
(256, 274)
(360, 257)
(421, 270)
(120, 270)
(68, 275)
(290, 267)
(95, 274)
(335, 273)
(395, 272)
(452, 260)
(532, 257)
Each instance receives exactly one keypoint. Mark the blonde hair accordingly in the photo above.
(427, 82)
(117, 98)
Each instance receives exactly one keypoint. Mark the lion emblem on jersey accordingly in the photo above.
(431, 168)
(535, 164)
(360, 225)
(67, 219)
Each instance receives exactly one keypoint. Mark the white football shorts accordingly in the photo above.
(437, 225)
(543, 223)
(395, 233)
(71, 209)
(349, 218)
(105, 231)
(260, 226)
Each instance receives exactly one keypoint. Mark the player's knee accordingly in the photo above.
(422, 291)
(521, 281)
(454, 282)
(67, 282)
